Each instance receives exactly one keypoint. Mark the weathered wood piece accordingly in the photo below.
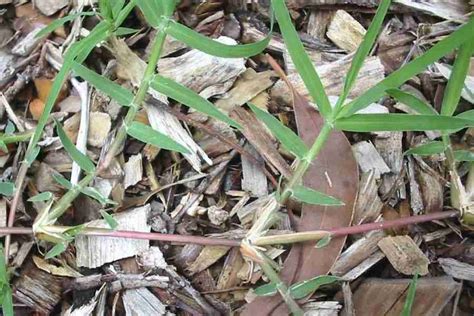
(253, 178)
(368, 205)
(142, 302)
(93, 251)
(368, 159)
(404, 255)
(457, 269)
(345, 31)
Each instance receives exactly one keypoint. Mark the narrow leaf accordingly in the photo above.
(31, 155)
(148, 135)
(115, 91)
(413, 102)
(304, 288)
(399, 122)
(58, 249)
(268, 289)
(364, 49)
(82, 160)
(463, 155)
(189, 98)
(10, 128)
(7, 188)
(455, 84)
(301, 60)
(410, 297)
(286, 136)
(152, 11)
(111, 221)
(212, 47)
(398, 77)
(123, 31)
(310, 196)
(62, 181)
(323, 242)
(57, 23)
(431, 148)
(95, 194)
(45, 196)
(5, 289)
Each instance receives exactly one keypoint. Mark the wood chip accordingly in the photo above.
(449, 10)
(328, 308)
(318, 23)
(99, 128)
(387, 297)
(364, 266)
(50, 7)
(245, 88)
(93, 251)
(390, 149)
(404, 255)
(357, 253)
(368, 159)
(332, 76)
(432, 190)
(253, 178)
(133, 170)
(345, 31)
(208, 256)
(368, 205)
(457, 269)
(142, 302)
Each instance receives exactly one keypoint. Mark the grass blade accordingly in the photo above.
(364, 49)
(95, 194)
(60, 22)
(398, 77)
(212, 47)
(301, 60)
(399, 122)
(286, 136)
(455, 84)
(5, 289)
(413, 102)
(431, 148)
(310, 196)
(115, 91)
(58, 249)
(62, 181)
(304, 288)
(82, 160)
(463, 155)
(148, 135)
(152, 11)
(189, 98)
(7, 188)
(45, 196)
(268, 289)
(80, 50)
(111, 221)
(410, 297)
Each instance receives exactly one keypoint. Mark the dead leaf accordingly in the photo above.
(208, 256)
(337, 163)
(55, 270)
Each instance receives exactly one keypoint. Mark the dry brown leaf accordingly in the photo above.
(208, 256)
(55, 270)
(337, 163)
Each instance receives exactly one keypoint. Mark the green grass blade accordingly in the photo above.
(302, 62)
(398, 77)
(413, 102)
(189, 98)
(62, 181)
(212, 47)
(148, 135)
(82, 160)
(399, 122)
(410, 297)
(113, 90)
(57, 249)
(455, 84)
(122, 31)
(285, 136)
(364, 49)
(431, 148)
(45, 196)
(7, 188)
(304, 288)
(310, 196)
(95, 194)
(111, 221)
(152, 11)
(5, 289)
(268, 289)
(82, 48)
(60, 22)
(464, 155)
